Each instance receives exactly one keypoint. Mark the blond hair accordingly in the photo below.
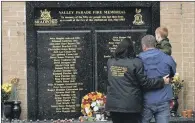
(163, 31)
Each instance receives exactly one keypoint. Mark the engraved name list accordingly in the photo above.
(64, 53)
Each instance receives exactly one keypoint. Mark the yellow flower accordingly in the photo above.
(3, 87)
(6, 90)
(7, 87)
(94, 98)
(82, 106)
(89, 114)
(9, 90)
(99, 95)
(86, 97)
(82, 111)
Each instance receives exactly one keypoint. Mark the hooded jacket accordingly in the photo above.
(158, 64)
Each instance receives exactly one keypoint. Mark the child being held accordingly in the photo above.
(163, 43)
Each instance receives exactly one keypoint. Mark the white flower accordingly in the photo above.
(98, 102)
(95, 108)
(101, 102)
(93, 104)
(87, 110)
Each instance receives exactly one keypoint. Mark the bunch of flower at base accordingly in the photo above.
(92, 103)
(177, 84)
(7, 87)
(9, 90)
(6, 91)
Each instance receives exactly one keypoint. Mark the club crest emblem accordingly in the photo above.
(45, 19)
(138, 18)
(45, 15)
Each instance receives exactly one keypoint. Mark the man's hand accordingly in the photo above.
(166, 79)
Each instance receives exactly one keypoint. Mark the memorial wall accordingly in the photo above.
(64, 70)
(68, 45)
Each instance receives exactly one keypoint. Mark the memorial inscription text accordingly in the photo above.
(64, 71)
(92, 16)
(64, 53)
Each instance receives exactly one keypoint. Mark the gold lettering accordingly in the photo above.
(118, 71)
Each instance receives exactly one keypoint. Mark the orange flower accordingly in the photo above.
(87, 106)
(87, 101)
(89, 114)
(90, 96)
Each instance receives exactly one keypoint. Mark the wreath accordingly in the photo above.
(93, 103)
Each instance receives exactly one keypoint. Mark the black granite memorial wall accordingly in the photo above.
(68, 45)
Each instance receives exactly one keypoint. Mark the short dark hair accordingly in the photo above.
(125, 49)
(149, 41)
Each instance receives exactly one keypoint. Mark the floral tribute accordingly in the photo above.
(6, 91)
(92, 103)
(177, 84)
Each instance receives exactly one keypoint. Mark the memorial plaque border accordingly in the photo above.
(32, 44)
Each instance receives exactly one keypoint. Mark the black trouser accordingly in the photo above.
(125, 117)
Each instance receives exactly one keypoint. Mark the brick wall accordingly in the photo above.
(14, 47)
(178, 17)
(188, 19)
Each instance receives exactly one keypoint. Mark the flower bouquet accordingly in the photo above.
(93, 105)
(9, 90)
(6, 91)
(177, 84)
(12, 108)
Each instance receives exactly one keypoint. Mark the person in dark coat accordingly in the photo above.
(163, 43)
(126, 82)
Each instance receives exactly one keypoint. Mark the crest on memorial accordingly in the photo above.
(45, 19)
(45, 15)
(138, 18)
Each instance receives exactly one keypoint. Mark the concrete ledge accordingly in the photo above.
(172, 120)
